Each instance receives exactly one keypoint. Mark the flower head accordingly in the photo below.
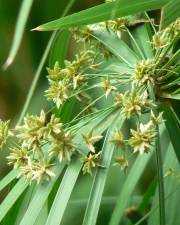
(30, 133)
(91, 139)
(54, 74)
(107, 87)
(58, 92)
(18, 157)
(42, 171)
(135, 104)
(143, 72)
(90, 161)
(4, 127)
(118, 139)
(160, 40)
(142, 138)
(122, 162)
(63, 146)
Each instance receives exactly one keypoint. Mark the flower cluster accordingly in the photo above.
(31, 157)
(85, 34)
(163, 38)
(4, 133)
(143, 72)
(142, 138)
(63, 83)
(89, 162)
(132, 103)
(140, 141)
(92, 160)
(42, 142)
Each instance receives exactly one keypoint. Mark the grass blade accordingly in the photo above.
(12, 197)
(36, 78)
(128, 187)
(170, 13)
(39, 198)
(159, 164)
(8, 178)
(73, 170)
(19, 30)
(103, 12)
(58, 50)
(143, 37)
(100, 178)
(173, 127)
(64, 192)
(118, 47)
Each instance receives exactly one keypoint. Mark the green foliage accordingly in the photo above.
(110, 102)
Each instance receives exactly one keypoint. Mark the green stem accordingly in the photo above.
(36, 78)
(159, 162)
(40, 67)
(135, 43)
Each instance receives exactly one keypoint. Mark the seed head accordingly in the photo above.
(91, 139)
(135, 104)
(90, 162)
(107, 87)
(118, 139)
(143, 72)
(122, 162)
(63, 146)
(160, 40)
(142, 138)
(30, 133)
(18, 157)
(4, 133)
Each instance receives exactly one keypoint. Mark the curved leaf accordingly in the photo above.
(103, 12)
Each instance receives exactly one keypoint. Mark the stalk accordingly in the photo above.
(40, 67)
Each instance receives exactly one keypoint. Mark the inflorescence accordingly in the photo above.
(42, 141)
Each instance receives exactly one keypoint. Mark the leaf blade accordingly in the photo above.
(98, 185)
(103, 12)
(19, 30)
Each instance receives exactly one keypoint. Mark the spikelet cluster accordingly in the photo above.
(31, 157)
(63, 83)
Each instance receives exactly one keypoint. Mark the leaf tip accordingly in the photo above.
(7, 63)
(37, 29)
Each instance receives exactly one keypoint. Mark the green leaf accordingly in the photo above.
(8, 178)
(40, 197)
(128, 187)
(170, 13)
(143, 36)
(19, 30)
(58, 50)
(101, 176)
(118, 47)
(64, 192)
(12, 197)
(173, 127)
(103, 12)
(172, 186)
(73, 170)
(40, 67)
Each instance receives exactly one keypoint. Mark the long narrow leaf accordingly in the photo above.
(173, 127)
(118, 47)
(19, 30)
(100, 177)
(8, 178)
(170, 13)
(103, 12)
(72, 172)
(40, 198)
(12, 197)
(128, 187)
